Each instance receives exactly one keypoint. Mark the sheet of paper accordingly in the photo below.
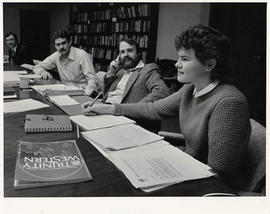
(21, 72)
(63, 100)
(10, 76)
(27, 66)
(55, 87)
(154, 165)
(31, 76)
(13, 77)
(122, 137)
(99, 121)
(23, 105)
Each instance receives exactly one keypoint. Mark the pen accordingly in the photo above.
(95, 99)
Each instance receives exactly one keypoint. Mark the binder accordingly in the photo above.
(47, 123)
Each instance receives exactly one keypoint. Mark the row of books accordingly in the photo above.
(140, 10)
(102, 53)
(106, 27)
(123, 12)
(108, 40)
(101, 66)
(131, 26)
(96, 27)
(109, 54)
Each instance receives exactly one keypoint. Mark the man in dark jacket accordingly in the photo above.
(129, 80)
(18, 53)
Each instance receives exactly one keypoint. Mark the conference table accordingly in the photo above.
(107, 180)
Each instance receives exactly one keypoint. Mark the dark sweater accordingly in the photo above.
(216, 125)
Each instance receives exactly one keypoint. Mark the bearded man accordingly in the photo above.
(129, 80)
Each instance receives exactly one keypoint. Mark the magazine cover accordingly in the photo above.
(49, 163)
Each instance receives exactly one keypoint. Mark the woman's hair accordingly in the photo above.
(208, 43)
(61, 34)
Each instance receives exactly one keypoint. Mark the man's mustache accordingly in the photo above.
(127, 58)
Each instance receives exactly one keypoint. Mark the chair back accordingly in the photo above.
(255, 160)
(100, 76)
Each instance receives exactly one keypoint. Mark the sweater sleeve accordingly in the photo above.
(163, 108)
(228, 133)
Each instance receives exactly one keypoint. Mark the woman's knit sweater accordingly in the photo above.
(216, 125)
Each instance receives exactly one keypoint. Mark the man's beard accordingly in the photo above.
(132, 63)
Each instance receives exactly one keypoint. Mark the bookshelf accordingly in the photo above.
(99, 27)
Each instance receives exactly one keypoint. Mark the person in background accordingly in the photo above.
(74, 65)
(17, 54)
(213, 114)
(129, 80)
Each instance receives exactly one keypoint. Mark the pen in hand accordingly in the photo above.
(93, 102)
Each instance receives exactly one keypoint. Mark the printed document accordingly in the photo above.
(158, 164)
(121, 137)
(99, 121)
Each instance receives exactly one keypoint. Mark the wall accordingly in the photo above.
(173, 18)
(59, 20)
(59, 17)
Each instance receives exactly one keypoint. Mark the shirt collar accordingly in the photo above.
(206, 89)
(139, 65)
(71, 54)
(15, 48)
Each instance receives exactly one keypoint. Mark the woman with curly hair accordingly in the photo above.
(213, 114)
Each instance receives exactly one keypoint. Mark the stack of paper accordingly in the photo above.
(100, 121)
(154, 166)
(63, 100)
(149, 162)
(121, 137)
(12, 78)
(23, 105)
(57, 89)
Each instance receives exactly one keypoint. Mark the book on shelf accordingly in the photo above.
(99, 121)
(47, 123)
(49, 163)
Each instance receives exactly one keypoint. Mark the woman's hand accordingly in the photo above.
(97, 109)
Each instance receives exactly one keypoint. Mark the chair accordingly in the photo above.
(254, 163)
(100, 76)
(169, 73)
(254, 166)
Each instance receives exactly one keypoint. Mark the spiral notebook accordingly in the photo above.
(47, 123)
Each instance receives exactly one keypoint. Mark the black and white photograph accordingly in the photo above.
(134, 107)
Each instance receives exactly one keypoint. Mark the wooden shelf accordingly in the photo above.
(99, 27)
